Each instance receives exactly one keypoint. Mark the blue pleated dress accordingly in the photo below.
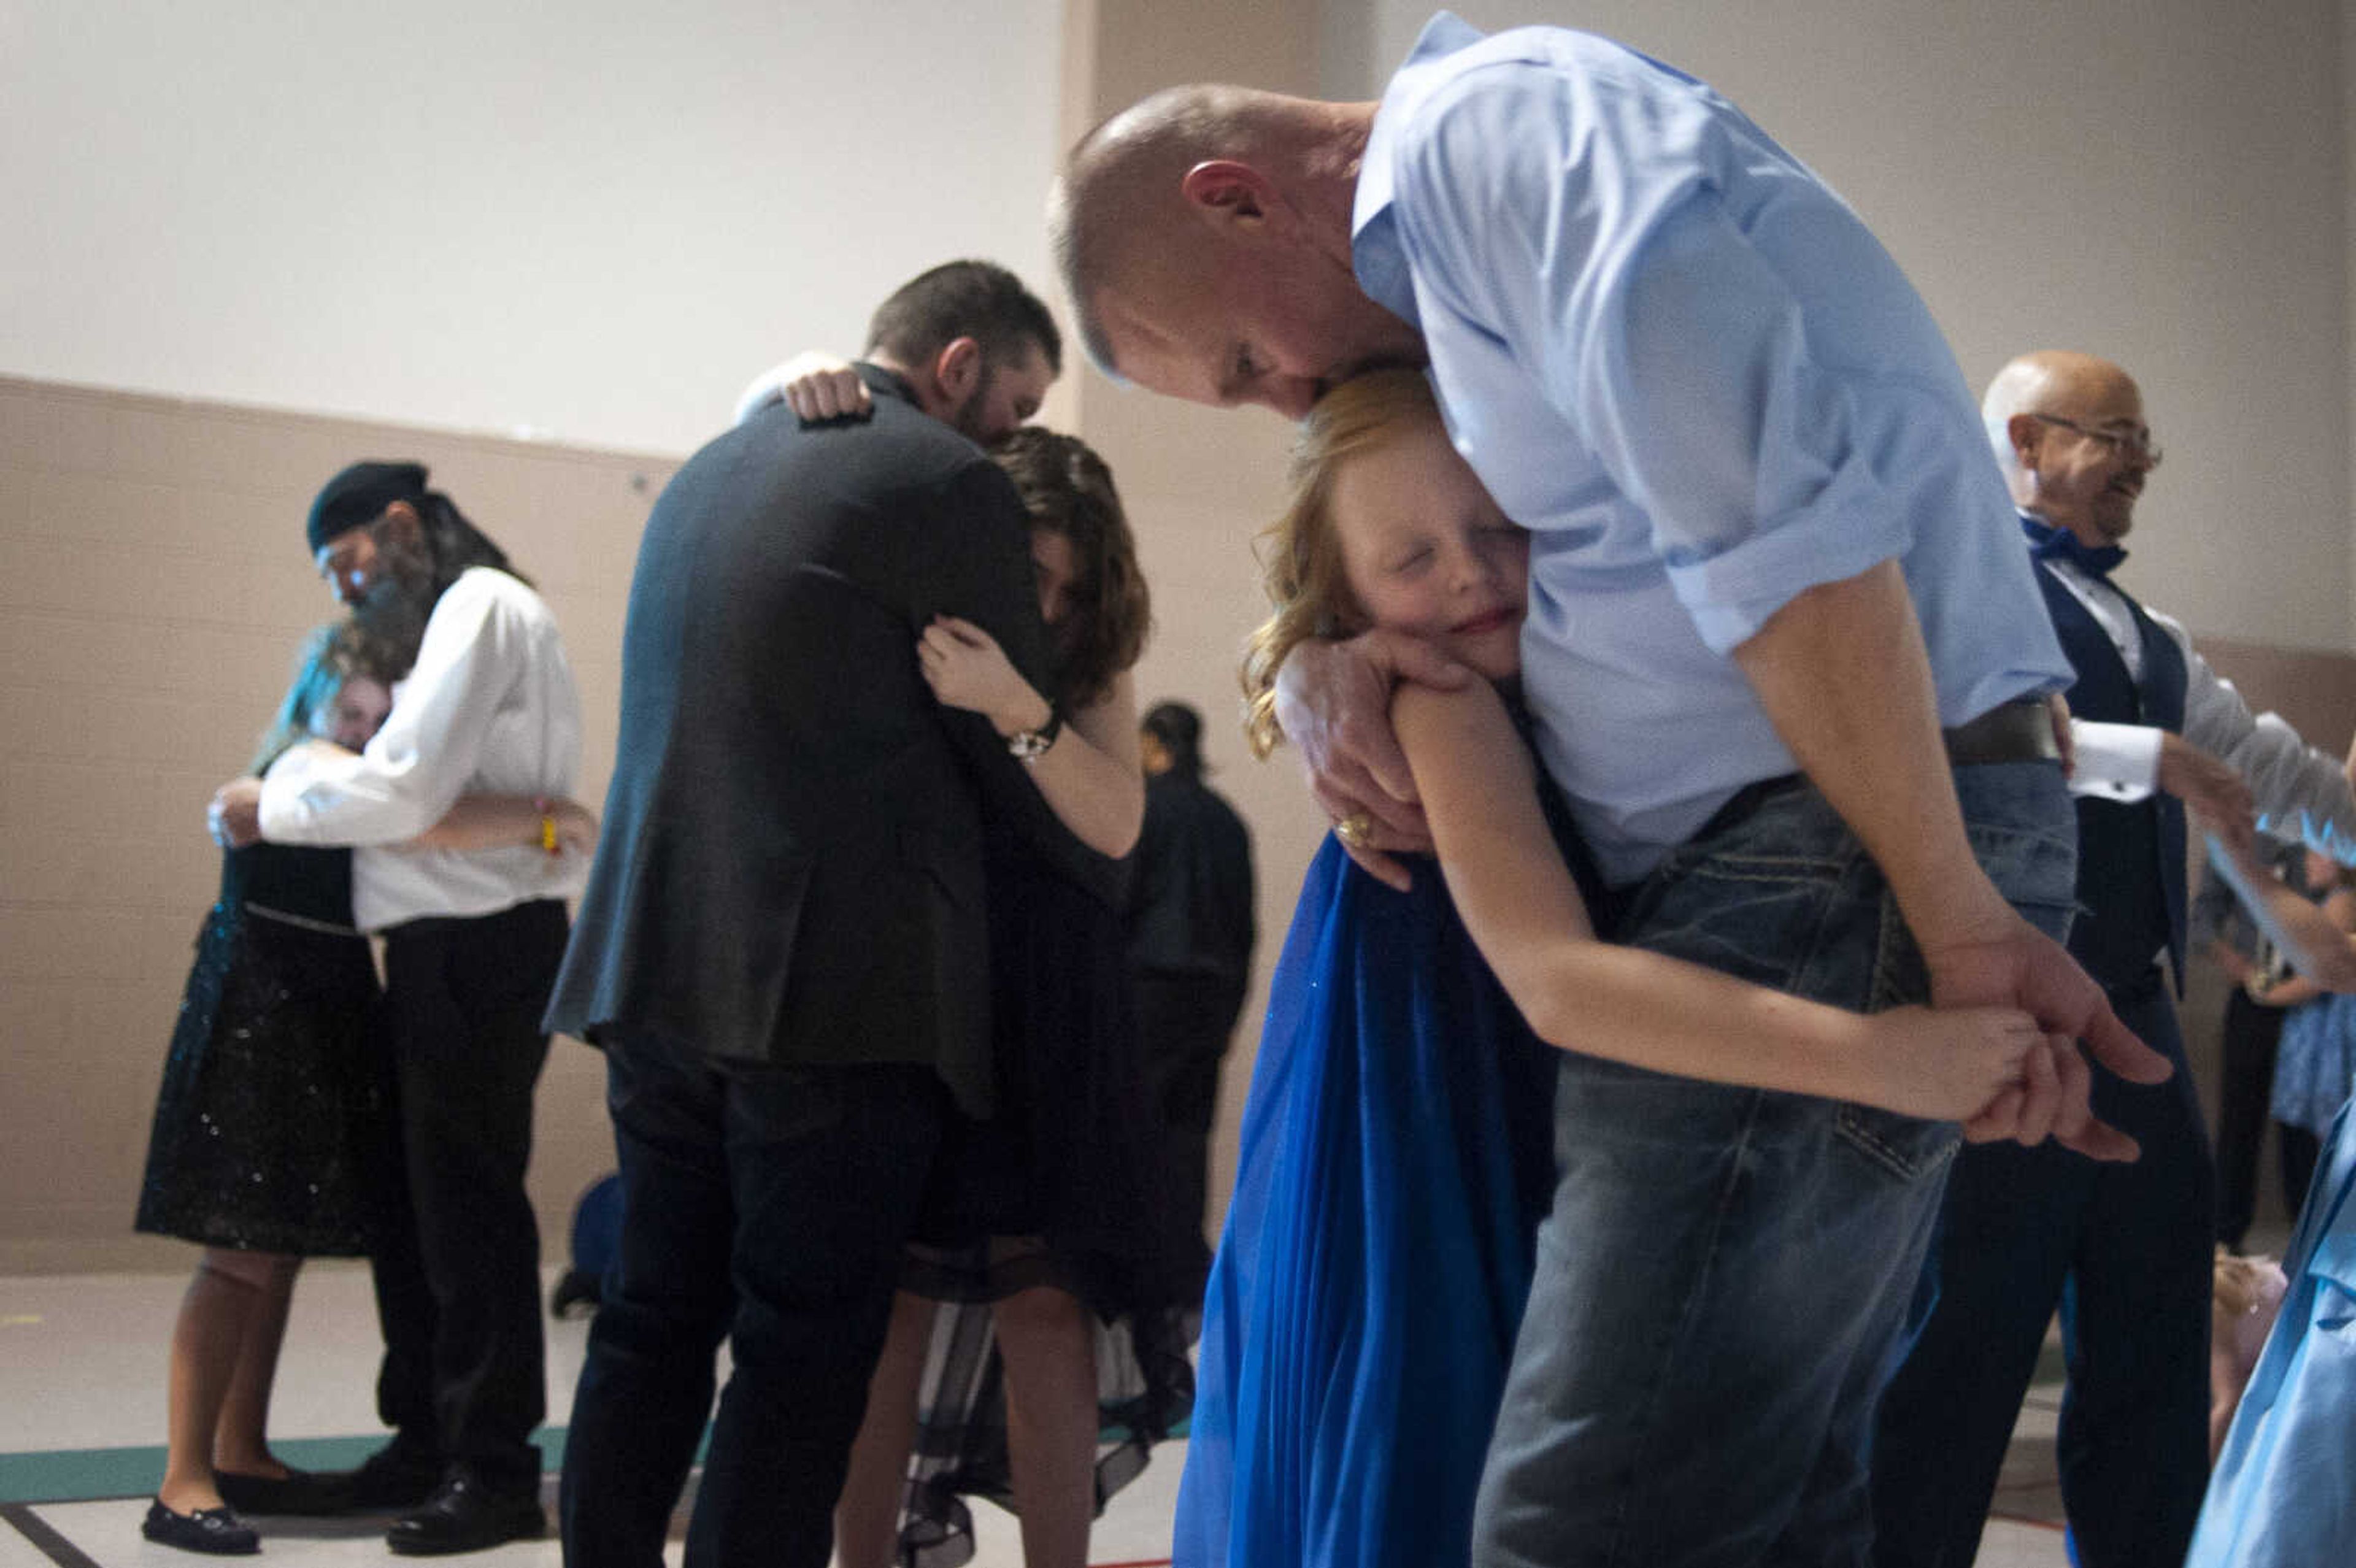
(1396, 1160)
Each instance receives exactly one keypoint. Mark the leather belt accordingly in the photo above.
(2016, 731)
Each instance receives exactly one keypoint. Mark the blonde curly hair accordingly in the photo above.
(1300, 553)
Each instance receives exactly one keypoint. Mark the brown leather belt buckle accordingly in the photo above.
(2017, 731)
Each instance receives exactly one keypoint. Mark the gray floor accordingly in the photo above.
(81, 1365)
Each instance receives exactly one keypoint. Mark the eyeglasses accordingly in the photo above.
(2132, 444)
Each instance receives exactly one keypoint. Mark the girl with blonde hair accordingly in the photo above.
(1395, 1161)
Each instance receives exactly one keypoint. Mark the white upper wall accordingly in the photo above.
(2160, 182)
(592, 222)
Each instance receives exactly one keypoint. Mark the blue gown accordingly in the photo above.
(1361, 1312)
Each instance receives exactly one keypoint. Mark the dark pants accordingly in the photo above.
(1184, 1023)
(2125, 1250)
(765, 1205)
(2250, 1035)
(457, 1257)
(2300, 1151)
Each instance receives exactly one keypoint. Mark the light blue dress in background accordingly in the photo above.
(2284, 1491)
(2315, 1066)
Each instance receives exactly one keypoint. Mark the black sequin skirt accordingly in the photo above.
(275, 1095)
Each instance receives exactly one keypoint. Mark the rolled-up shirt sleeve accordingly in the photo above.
(1662, 333)
(418, 764)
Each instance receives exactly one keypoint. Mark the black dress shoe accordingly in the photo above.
(465, 1515)
(388, 1479)
(296, 1492)
(217, 1530)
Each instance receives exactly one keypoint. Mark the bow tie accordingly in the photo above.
(2047, 543)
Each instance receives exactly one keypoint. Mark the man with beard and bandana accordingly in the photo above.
(783, 947)
(2123, 1249)
(472, 940)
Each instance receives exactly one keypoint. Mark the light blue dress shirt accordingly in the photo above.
(1681, 361)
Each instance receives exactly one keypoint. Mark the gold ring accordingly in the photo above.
(1356, 830)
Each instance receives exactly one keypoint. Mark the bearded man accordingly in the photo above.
(472, 941)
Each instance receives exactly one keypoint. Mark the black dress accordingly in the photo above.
(1062, 1187)
(272, 1094)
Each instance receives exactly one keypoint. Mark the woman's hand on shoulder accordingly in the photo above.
(819, 386)
(815, 384)
(967, 668)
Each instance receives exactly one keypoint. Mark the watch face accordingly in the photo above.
(1028, 743)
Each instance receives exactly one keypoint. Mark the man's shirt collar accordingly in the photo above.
(1381, 268)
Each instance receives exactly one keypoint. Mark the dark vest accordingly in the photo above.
(2130, 857)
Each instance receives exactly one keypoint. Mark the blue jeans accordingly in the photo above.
(1724, 1277)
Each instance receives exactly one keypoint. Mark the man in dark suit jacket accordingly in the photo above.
(1190, 940)
(783, 949)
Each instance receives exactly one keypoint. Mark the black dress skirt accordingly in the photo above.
(273, 1094)
(1063, 1187)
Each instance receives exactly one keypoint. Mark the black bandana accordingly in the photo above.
(359, 495)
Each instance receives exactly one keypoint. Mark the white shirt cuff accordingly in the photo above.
(2115, 761)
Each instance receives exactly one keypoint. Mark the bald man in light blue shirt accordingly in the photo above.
(1788, 665)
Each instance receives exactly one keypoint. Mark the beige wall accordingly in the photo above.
(593, 222)
(1198, 483)
(153, 585)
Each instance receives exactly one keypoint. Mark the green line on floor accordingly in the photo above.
(92, 1475)
(87, 1475)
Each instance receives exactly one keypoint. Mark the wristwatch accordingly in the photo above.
(1030, 745)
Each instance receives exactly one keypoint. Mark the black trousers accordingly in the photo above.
(1184, 1024)
(456, 1261)
(2249, 1037)
(2125, 1250)
(770, 1206)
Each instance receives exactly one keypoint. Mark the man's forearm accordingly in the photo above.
(1842, 673)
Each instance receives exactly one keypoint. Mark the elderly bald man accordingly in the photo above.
(1772, 562)
(2125, 1250)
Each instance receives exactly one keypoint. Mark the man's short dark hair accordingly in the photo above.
(979, 300)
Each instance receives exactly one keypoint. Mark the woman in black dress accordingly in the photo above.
(1048, 1283)
(274, 1096)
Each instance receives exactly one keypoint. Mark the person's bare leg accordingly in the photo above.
(241, 1434)
(867, 1514)
(1050, 1422)
(206, 1340)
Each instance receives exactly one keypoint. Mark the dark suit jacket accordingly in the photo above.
(1190, 904)
(790, 869)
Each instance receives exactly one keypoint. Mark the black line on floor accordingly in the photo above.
(43, 1534)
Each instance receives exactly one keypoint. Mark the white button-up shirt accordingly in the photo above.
(488, 708)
